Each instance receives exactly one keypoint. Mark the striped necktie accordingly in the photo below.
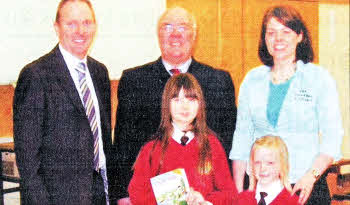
(89, 109)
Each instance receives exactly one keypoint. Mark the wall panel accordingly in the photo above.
(334, 56)
(229, 32)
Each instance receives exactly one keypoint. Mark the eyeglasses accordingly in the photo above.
(170, 28)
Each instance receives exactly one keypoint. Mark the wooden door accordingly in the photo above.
(219, 35)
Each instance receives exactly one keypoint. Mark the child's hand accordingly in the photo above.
(196, 198)
(124, 201)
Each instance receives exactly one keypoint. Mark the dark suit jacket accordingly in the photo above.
(139, 107)
(53, 139)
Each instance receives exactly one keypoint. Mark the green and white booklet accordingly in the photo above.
(171, 188)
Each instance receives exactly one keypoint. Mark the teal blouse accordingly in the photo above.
(277, 95)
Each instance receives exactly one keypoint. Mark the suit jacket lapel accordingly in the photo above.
(64, 79)
(160, 71)
(193, 66)
(95, 80)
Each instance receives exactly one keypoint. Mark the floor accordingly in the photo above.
(11, 198)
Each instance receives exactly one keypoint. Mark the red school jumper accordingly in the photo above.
(217, 186)
(283, 198)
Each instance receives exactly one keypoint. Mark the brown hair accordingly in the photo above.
(273, 143)
(290, 18)
(192, 89)
(63, 2)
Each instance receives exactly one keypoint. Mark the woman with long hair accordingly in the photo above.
(291, 97)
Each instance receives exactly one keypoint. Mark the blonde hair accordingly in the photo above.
(274, 143)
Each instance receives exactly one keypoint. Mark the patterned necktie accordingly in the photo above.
(184, 140)
(89, 109)
(175, 71)
(262, 198)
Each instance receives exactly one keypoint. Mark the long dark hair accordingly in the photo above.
(192, 89)
(289, 17)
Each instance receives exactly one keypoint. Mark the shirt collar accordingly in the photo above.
(71, 60)
(183, 67)
(177, 134)
(300, 65)
(272, 191)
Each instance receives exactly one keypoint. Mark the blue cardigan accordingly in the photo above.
(309, 122)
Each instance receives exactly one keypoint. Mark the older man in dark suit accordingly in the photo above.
(62, 116)
(140, 90)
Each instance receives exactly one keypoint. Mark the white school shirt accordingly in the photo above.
(272, 191)
(177, 134)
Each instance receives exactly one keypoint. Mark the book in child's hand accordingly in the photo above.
(171, 188)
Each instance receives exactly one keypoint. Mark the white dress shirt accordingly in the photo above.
(183, 67)
(72, 62)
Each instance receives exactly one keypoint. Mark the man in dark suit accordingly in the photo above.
(140, 91)
(62, 115)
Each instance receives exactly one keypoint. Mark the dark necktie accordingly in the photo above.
(184, 140)
(262, 198)
(89, 109)
(175, 71)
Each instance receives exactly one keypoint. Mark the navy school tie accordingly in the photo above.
(262, 198)
(184, 140)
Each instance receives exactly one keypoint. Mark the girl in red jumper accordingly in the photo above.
(269, 183)
(202, 156)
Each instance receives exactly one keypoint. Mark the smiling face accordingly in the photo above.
(281, 41)
(76, 28)
(266, 165)
(183, 110)
(176, 35)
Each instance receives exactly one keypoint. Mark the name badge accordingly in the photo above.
(303, 96)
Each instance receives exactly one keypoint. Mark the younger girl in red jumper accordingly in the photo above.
(269, 183)
(202, 156)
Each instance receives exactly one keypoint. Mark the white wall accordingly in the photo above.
(126, 34)
(334, 55)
